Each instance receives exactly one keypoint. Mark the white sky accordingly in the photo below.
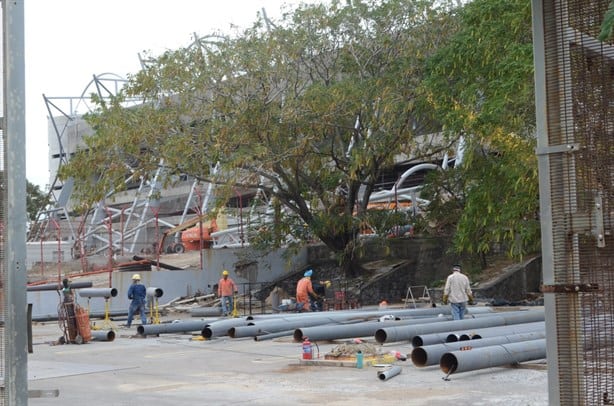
(69, 41)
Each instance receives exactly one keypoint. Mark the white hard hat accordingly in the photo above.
(136, 277)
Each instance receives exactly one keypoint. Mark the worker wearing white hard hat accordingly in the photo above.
(226, 288)
(137, 294)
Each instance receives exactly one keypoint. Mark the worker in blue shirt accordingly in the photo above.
(137, 294)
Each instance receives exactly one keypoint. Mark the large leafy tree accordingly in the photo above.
(36, 200)
(309, 109)
(481, 87)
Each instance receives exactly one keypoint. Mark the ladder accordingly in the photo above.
(417, 294)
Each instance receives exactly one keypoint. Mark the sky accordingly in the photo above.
(67, 42)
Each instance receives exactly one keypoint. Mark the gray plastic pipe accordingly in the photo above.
(492, 356)
(430, 339)
(98, 292)
(392, 334)
(99, 335)
(220, 327)
(255, 328)
(154, 292)
(271, 336)
(431, 354)
(363, 329)
(501, 330)
(440, 338)
(174, 327)
(375, 314)
(55, 286)
(388, 373)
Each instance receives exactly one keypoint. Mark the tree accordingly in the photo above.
(309, 109)
(36, 200)
(481, 87)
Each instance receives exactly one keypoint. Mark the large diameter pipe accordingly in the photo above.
(429, 339)
(220, 328)
(492, 356)
(376, 314)
(99, 335)
(55, 286)
(363, 329)
(174, 327)
(98, 292)
(271, 336)
(154, 292)
(431, 354)
(503, 330)
(392, 334)
(255, 328)
(388, 373)
(440, 338)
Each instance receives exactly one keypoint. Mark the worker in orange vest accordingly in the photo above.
(226, 288)
(304, 289)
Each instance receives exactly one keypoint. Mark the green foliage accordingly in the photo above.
(277, 107)
(607, 26)
(481, 85)
(36, 200)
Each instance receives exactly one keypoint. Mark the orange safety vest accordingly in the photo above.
(226, 287)
(303, 288)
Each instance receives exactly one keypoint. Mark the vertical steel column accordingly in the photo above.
(543, 163)
(14, 261)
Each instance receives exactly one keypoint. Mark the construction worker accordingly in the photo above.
(458, 292)
(137, 294)
(226, 288)
(304, 290)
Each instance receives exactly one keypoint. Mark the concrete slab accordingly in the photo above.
(176, 370)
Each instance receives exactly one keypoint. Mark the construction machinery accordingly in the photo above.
(189, 234)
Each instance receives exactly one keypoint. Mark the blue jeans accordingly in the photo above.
(134, 307)
(226, 305)
(458, 310)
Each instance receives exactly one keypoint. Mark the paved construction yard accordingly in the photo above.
(179, 369)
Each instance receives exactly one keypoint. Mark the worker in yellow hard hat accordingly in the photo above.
(226, 287)
(137, 294)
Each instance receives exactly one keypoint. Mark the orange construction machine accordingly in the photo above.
(192, 232)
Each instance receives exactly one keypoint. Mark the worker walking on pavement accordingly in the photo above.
(304, 289)
(226, 288)
(137, 294)
(457, 292)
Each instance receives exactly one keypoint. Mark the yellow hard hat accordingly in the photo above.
(225, 272)
(136, 277)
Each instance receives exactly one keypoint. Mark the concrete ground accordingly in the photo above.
(175, 369)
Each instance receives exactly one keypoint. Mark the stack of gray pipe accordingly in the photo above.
(338, 324)
(365, 329)
(464, 335)
(492, 356)
(432, 354)
(401, 333)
